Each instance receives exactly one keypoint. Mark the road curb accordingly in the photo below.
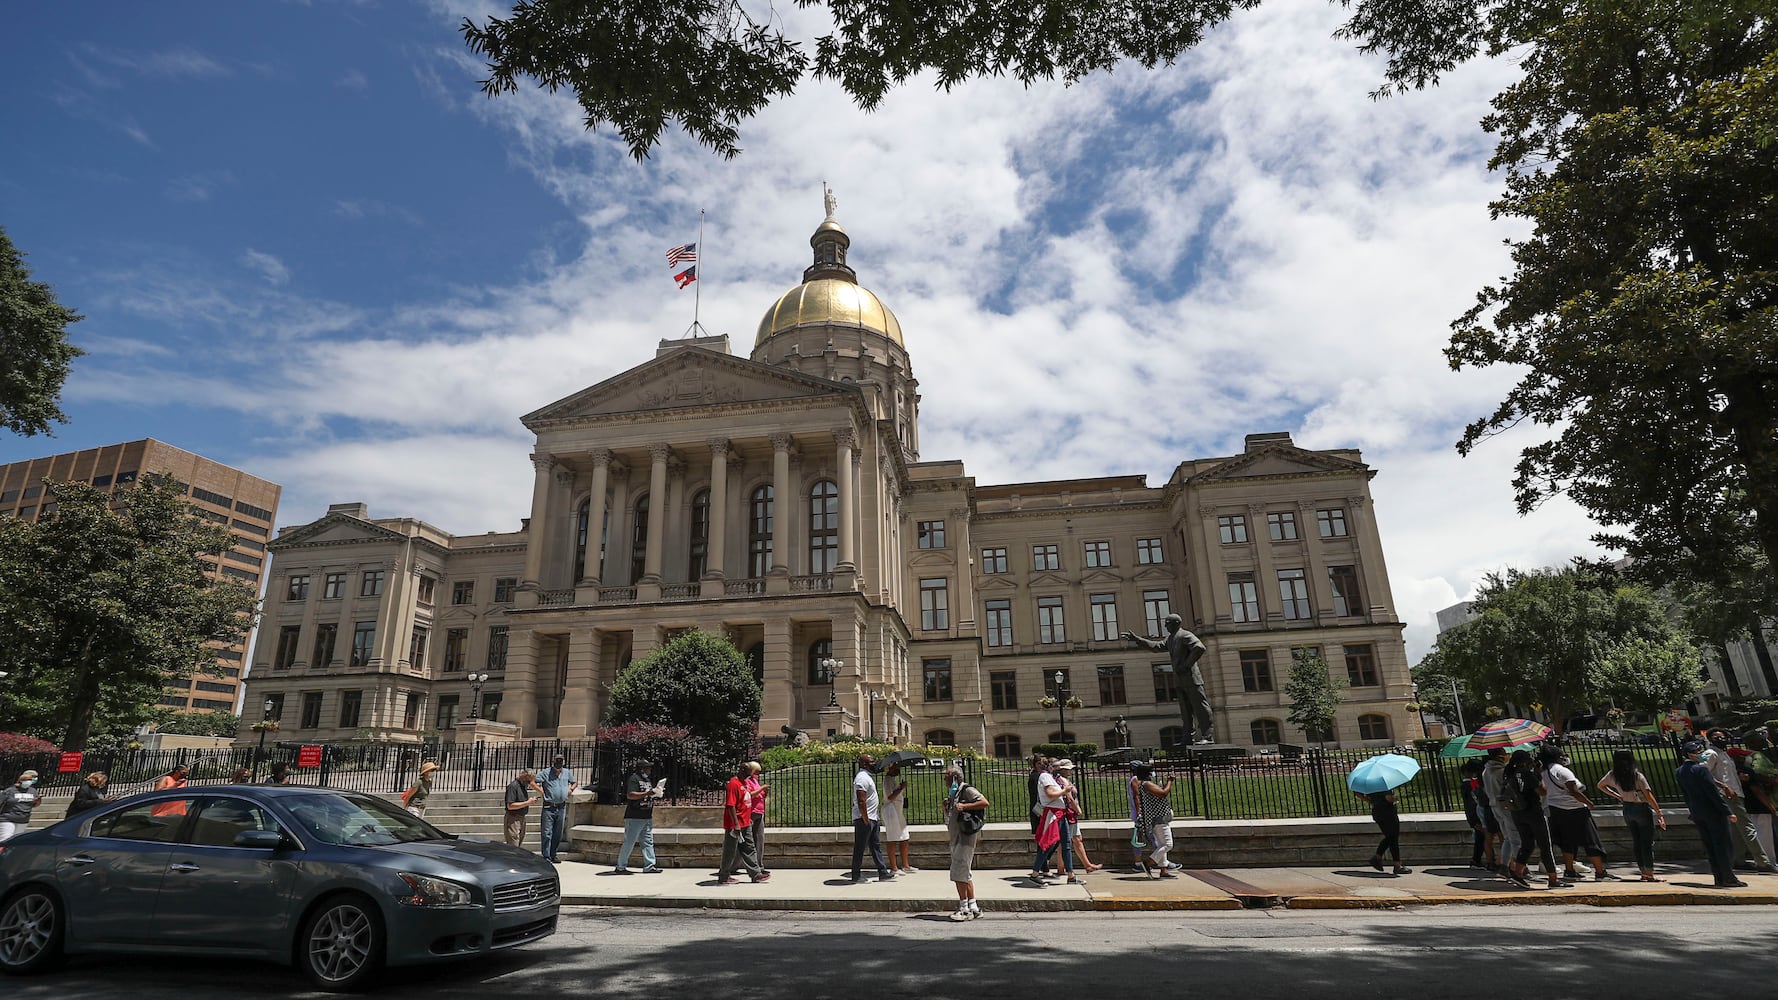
(1136, 903)
(817, 905)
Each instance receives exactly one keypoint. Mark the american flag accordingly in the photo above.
(682, 254)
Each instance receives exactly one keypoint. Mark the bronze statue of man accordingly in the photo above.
(1184, 650)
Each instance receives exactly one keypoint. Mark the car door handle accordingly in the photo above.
(183, 867)
(80, 859)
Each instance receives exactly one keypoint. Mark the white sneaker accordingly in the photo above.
(909, 870)
(975, 909)
(961, 915)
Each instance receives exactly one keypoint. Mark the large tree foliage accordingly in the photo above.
(105, 599)
(698, 681)
(34, 348)
(1314, 694)
(1560, 639)
(1642, 312)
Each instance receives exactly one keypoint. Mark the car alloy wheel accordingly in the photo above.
(30, 931)
(343, 945)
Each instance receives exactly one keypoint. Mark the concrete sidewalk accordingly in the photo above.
(1210, 889)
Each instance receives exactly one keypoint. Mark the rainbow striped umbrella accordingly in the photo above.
(1508, 733)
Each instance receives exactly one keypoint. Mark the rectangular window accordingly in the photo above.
(504, 587)
(1156, 606)
(1049, 620)
(1149, 552)
(242, 507)
(215, 687)
(288, 638)
(1361, 665)
(1004, 685)
(1293, 593)
(463, 592)
(1111, 686)
(935, 603)
(1045, 557)
(242, 557)
(416, 649)
(999, 622)
(276, 712)
(1232, 528)
(1051, 689)
(930, 535)
(491, 706)
(209, 497)
(1256, 670)
(1166, 686)
(372, 584)
(1332, 522)
(1098, 554)
(994, 560)
(1243, 597)
(410, 715)
(938, 679)
(1104, 608)
(456, 650)
(333, 587)
(425, 591)
(1345, 590)
(311, 717)
(350, 703)
(496, 647)
(1281, 525)
(325, 636)
(447, 712)
(241, 525)
(364, 642)
(298, 589)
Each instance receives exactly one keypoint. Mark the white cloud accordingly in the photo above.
(268, 266)
(352, 80)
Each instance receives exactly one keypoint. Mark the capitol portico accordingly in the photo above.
(780, 499)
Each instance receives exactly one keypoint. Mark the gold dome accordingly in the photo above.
(829, 302)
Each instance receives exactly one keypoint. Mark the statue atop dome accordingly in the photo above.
(828, 200)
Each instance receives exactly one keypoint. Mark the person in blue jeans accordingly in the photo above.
(1054, 816)
(557, 784)
(639, 799)
(867, 822)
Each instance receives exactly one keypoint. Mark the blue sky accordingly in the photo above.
(306, 244)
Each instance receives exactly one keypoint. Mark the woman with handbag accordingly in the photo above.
(966, 812)
(1157, 819)
(414, 799)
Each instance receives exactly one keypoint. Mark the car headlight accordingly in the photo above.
(424, 890)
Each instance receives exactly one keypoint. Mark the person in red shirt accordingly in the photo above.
(737, 831)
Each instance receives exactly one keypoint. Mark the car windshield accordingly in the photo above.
(359, 821)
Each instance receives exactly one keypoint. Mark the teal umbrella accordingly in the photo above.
(1381, 773)
(1460, 747)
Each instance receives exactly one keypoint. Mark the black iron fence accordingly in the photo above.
(1298, 783)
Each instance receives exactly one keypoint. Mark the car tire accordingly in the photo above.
(340, 948)
(33, 926)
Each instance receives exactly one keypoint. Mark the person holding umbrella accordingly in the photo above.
(1375, 781)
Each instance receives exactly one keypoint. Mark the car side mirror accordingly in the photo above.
(265, 840)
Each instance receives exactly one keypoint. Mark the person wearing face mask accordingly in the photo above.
(966, 811)
(15, 808)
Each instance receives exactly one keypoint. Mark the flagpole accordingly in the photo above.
(698, 291)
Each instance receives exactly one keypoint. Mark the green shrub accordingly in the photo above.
(1073, 751)
(698, 681)
(780, 757)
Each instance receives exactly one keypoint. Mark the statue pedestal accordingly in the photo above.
(470, 731)
(836, 720)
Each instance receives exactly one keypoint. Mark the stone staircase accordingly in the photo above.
(472, 814)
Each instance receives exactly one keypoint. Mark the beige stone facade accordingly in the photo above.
(247, 504)
(780, 499)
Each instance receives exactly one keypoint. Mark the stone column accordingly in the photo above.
(716, 544)
(657, 511)
(579, 716)
(676, 537)
(782, 666)
(843, 442)
(1314, 567)
(518, 703)
(558, 561)
(1373, 574)
(535, 543)
(1206, 558)
(782, 444)
(595, 515)
(1271, 602)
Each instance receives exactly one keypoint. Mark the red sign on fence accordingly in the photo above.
(70, 762)
(308, 756)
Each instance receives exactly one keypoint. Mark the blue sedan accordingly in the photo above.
(338, 883)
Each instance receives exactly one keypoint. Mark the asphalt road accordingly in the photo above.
(1444, 951)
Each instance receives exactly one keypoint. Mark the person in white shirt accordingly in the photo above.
(1571, 816)
(867, 822)
(1722, 768)
(1053, 822)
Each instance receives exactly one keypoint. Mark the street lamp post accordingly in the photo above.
(1061, 703)
(833, 668)
(1457, 701)
(871, 722)
(475, 695)
(259, 751)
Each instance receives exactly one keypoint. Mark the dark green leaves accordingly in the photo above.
(34, 350)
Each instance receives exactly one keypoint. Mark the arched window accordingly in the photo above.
(940, 738)
(1266, 732)
(756, 662)
(1008, 747)
(819, 650)
(824, 527)
(1172, 737)
(639, 540)
(759, 532)
(580, 529)
(1373, 727)
(700, 537)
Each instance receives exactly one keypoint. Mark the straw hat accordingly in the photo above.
(427, 768)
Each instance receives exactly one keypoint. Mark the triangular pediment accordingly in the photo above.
(1151, 573)
(686, 378)
(1039, 580)
(1279, 461)
(997, 581)
(454, 614)
(334, 529)
(1099, 576)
